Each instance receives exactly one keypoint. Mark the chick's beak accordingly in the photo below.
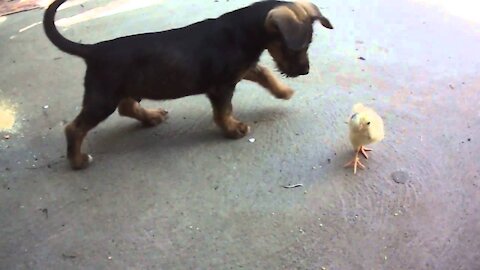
(355, 120)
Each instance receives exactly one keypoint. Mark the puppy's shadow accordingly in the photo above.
(266, 114)
(126, 137)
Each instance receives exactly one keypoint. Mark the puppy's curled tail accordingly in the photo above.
(56, 38)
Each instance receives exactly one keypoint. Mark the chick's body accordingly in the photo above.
(366, 127)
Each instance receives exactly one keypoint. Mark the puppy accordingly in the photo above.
(209, 57)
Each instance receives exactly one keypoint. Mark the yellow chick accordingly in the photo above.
(366, 127)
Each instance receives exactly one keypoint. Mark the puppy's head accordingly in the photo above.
(291, 27)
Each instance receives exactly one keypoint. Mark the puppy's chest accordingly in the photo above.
(236, 73)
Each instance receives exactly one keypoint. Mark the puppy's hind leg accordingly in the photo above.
(131, 108)
(99, 102)
(95, 110)
(265, 78)
(222, 114)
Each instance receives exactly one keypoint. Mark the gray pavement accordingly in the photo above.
(180, 196)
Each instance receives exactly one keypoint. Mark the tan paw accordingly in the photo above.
(238, 130)
(286, 93)
(155, 117)
(81, 162)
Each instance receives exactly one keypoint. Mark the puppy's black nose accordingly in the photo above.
(304, 70)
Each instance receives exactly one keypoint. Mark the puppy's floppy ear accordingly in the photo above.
(314, 13)
(282, 19)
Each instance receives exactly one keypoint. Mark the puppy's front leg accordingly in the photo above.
(222, 114)
(265, 78)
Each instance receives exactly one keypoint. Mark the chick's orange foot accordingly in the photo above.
(364, 151)
(355, 162)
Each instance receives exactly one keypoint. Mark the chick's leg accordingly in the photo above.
(364, 151)
(355, 162)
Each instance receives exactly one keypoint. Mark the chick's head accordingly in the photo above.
(360, 122)
(367, 123)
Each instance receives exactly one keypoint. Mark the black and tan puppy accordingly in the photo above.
(209, 57)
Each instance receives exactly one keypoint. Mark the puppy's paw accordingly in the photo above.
(81, 162)
(286, 93)
(155, 117)
(238, 130)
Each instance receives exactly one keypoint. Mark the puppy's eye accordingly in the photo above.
(368, 124)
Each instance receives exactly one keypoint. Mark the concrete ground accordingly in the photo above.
(180, 196)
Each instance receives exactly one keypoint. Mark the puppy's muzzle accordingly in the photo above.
(303, 69)
(299, 70)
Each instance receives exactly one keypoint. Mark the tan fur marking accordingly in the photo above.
(265, 78)
(75, 136)
(131, 108)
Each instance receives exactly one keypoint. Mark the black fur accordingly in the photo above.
(209, 57)
(165, 65)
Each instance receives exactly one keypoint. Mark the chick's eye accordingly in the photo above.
(368, 124)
